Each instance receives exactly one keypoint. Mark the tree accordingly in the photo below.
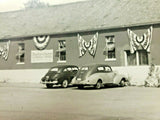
(35, 4)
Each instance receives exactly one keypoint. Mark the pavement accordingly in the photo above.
(33, 101)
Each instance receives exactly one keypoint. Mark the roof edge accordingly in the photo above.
(87, 30)
(50, 6)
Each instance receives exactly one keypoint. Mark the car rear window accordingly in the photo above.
(108, 69)
(54, 69)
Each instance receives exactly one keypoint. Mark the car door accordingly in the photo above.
(109, 75)
(64, 75)
(100, 73)
(70, 73)
(74, 71)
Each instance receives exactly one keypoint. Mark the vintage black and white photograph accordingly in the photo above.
(79, 60)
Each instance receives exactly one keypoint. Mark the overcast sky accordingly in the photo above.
(11, 5)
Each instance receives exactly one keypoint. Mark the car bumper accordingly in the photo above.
(83, 83)
(49, 82)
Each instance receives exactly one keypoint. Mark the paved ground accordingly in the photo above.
(35, 102)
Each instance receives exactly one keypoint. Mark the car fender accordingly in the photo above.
(94, 78)
(118, 78)
(73, 81)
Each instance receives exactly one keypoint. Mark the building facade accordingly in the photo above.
(32, 41)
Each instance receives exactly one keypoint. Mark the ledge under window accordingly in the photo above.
(113, 59)
(61, 61)
(20, 63)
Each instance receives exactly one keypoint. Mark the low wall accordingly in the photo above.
(25, 75)
(136, 74)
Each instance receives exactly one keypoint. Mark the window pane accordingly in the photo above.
(100, 68)
(131, 58)
(143, 57)
(20, 53)
(110, 47)
(62, 56)
(62, 50)
(84, 68)
(54, 69)
(69, 69)
(107, 69)
(111, 54)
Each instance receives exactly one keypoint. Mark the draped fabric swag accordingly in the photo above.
(41, 41)
(4, 51)
(91, 46)
(143, 41)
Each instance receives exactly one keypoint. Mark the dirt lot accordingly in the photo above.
(35, 102)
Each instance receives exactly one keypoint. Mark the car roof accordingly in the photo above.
(64, 66)
(96, 65)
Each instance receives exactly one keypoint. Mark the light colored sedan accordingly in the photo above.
(97, 75)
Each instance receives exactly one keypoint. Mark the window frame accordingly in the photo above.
(106, 56)
(59, 55)
(23, 50)
(137, 52)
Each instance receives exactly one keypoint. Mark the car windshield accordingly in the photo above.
(54, 69)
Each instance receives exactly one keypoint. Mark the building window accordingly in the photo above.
(20, 53)
(143, 57)
(110, 48)
(61, 52)
(140, 57)
(131, 58)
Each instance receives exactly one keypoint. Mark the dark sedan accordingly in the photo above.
(62, 75)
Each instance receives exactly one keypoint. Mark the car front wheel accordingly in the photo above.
(65, 84)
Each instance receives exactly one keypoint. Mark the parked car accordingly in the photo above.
(62, 75)
(97, 75)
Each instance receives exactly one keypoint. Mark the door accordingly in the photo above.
(109, 75)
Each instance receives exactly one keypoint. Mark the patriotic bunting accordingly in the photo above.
(144, 41)
(91, 46)
(41, 41)
(4, 51)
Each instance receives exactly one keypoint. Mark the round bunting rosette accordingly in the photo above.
(41, 42)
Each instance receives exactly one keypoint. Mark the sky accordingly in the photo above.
(12, 5)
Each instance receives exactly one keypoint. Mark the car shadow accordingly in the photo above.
(57, 87)
(92, 88)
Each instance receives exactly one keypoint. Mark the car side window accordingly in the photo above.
(75, 69)
(100, 69)
(69, 69)
(65, 70)
(108, 69)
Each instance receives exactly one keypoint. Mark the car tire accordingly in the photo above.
(98, 84)
(64, 84)
(122, 83)
(80, 87)
(49, 85)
